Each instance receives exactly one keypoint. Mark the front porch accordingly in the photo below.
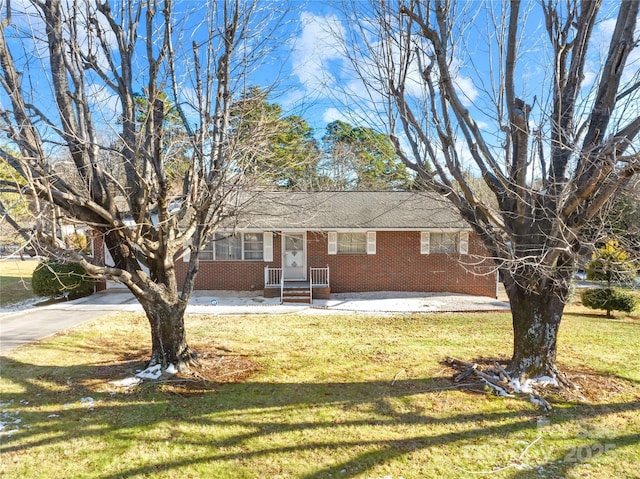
(295, 290)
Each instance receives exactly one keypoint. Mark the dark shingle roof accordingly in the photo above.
(326, 210)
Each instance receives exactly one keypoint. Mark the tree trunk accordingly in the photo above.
(536, 321)
(168, 336)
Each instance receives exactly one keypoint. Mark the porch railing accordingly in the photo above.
(318, 277)
(272, 276)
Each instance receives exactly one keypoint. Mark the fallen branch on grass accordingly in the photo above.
(498, 379)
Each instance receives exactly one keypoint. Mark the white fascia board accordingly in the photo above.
(343, 230)
(364, 230)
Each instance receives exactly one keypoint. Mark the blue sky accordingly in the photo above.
(316, 65)
(475, 69)
(320, 75)
(317, 81)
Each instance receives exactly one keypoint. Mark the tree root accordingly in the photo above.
(186, 361)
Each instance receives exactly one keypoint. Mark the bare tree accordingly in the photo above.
(146, 84)
(506, 92)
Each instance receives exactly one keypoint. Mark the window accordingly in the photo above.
(248, 246)
(253, 246)
(443, 242)
(228, 247)
(446, 243)
(352, 243)
(206, 254)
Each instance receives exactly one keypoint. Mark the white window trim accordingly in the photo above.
(332, 240)
(463, 247)
(186, 256)
(371, 242)
(425, 242)
(267, 247)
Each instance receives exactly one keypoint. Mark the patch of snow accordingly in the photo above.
(528, 385)
(22, 305)
(155, 371)
(521, 387)
(53, 415)
(536, 401)
(543, 381)
(499, 391)
(9, 423)
(152, 372)
(127, 382)
(87, 402)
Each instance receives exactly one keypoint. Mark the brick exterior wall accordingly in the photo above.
(396, 266)
(227, 275)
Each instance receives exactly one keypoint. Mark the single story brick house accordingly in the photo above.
(298, 244)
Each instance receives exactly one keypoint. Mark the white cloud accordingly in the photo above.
(464, 85)
(602, 35)
(316, 52)
(104, 103)
(601, 40)
(333, 114)
(467, 90)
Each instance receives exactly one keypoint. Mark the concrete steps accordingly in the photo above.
(296, 293)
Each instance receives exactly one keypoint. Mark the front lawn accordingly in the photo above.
(15, 280)
(326, 396)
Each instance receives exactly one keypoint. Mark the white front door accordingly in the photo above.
(294, 256)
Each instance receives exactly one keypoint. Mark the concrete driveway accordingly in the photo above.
(21, 327)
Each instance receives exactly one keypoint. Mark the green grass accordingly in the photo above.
(334, 396)
(15, 281)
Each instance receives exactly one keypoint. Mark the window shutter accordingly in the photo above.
(332, 239)
(371, 242)
(424, 242)
(267, 245)
(464, 242)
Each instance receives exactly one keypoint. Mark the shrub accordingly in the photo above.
(610, 263)
(78, 242)
(53, 279)
(609, 299)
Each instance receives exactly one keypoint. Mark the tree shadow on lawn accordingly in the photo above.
(54, 410)
(559, 464)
